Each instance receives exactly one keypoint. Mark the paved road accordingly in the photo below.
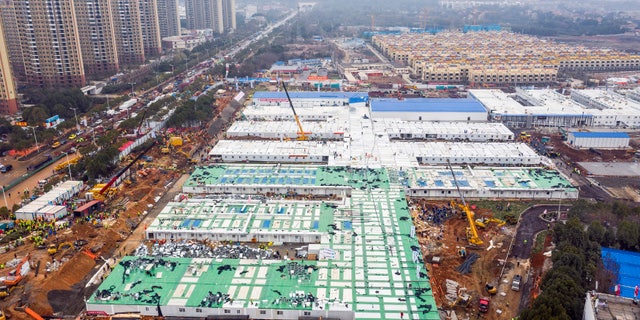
(530, 225)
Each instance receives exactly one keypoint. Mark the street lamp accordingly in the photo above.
(76, 116)
(68, 164)
(171, 69)
(132, 93)
(6, 204)
(34, 138)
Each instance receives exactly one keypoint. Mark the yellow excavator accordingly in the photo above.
(482, 223)
(302, 136)
(472, 232)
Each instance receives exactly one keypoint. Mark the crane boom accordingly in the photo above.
(472, 232)
(301, 135)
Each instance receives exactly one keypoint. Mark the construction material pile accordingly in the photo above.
(465, 267)
(190, 249)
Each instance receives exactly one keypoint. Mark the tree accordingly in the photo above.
(36, 115)
(627, 235)
(4, 213)
(596, 232)
(546, 307)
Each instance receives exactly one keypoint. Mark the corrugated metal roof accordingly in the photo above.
(309, 95)
(600, 134)
(427, 105)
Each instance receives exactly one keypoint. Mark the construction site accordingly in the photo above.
(314, 208)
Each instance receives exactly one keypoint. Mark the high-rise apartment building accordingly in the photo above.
(49, 42)
(150, 27)
(8, 101)
(228, 12)
(218, 15)
(168, 18)
(12, 37)
(97, 38)
(126, 21)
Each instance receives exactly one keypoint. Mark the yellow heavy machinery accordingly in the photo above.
(98, 194)
(482, 223)
(54, 248)
(302, 136)
(63, 166)
(472, 232)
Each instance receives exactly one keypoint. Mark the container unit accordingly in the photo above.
(598, 140)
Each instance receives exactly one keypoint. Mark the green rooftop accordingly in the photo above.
(368, 268)
(299, 175)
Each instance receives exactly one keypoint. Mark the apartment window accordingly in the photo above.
(198, 310)
(279, 313)
(182, 310)
(307, 313)
(227, 311)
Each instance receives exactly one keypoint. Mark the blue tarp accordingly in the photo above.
(627, 264)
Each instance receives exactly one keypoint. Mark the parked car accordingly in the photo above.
(515, 284)
(6, 168)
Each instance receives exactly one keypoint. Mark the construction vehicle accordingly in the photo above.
(302, 136)
(64, 165)
(525, 137)
(491, 289)
(483, 222)
(2, 316)
(121, 172)
(54, 248)
(472, 232)
(16, 275)
(33, 314)
(483, 304)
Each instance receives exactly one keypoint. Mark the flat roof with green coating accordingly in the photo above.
(298, 175)
(366, 271)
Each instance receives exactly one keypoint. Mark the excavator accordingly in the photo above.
(17, 274)
(483, 222)
(302, 136)
(472, 232)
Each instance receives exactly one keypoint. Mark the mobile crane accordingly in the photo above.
(472, 232)
(301, 134)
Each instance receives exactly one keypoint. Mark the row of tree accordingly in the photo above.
(575, 262)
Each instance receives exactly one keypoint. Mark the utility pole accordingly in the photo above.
(35, 138)
(76, 116)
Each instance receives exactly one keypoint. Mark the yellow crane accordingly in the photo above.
(472, 232)
(301, 134)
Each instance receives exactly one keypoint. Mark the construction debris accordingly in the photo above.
(190, 249)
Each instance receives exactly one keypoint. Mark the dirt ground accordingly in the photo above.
(445, 240)
(62, 292)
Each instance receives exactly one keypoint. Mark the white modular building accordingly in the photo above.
(331, 130)
(450, 131)
(50, 206)
(491, 153)
(284, 113)
(310, 98)
(598, 140)
(429, 109)
(548, 108)
(274, 151)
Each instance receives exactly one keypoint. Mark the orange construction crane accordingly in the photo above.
(301, 134)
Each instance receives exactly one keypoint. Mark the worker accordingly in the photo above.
(525, 242)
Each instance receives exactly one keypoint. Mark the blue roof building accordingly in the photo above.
(599, 140)
(430, 109)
